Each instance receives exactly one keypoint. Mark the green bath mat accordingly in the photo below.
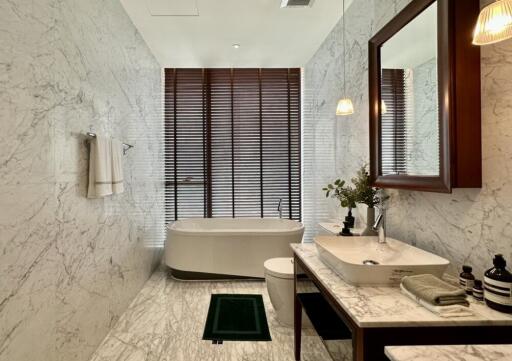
(236, 318)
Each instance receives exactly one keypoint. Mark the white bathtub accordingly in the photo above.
(228, 247)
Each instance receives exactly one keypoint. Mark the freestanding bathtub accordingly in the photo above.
(216, 248)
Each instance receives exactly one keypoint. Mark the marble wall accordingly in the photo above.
(468, 226)
(318, 154)
(423, 141)
(69, 266)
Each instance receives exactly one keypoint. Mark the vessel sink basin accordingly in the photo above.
(363, 261)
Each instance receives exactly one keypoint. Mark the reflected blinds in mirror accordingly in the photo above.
(393, 121)
(232, 143)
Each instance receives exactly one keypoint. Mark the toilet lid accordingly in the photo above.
(279, 267)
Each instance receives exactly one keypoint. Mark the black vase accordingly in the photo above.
(346, 230)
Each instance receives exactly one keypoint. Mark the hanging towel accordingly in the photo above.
(435, 291)
(100, 167)
(117, 167)
(442, 311)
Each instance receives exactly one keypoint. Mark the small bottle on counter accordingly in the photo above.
(498, 286)
(466, 279)
(478, 291)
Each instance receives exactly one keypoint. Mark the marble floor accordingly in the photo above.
(165, 323)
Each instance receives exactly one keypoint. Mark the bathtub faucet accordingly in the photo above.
(280, 208)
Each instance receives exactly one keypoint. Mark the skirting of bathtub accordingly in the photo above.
(201, 276)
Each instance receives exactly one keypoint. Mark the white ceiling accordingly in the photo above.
(203, 31)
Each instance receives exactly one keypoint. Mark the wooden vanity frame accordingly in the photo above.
(368, 342)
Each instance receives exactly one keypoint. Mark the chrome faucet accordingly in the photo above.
(380, 225)
(280, 208)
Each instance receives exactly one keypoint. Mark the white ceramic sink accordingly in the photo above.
(349, 256)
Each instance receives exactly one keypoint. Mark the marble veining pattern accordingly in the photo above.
(468, 226)
(70, 266)
(423, 133)
(166, 321)
(387, 306)
(450, 353)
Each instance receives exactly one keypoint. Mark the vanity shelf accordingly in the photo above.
(454, 352)
(381, 316)
(324, 319)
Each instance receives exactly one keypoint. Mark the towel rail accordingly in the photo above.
(126, 146)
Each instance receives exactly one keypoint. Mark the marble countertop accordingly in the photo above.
(387, 306)
(450, 353)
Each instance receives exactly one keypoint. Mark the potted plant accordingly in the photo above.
(346, 196)
(366, 194)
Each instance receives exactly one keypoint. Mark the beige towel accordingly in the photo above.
(100, 167)
(117, 167)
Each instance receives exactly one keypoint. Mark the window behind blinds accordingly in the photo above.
(185, 151)
(232, 143)
(393, 123)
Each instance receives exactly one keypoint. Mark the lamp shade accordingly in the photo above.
(345, 107)
(383, 107)
(494, 23)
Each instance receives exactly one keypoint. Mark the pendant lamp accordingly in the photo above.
(494, 23)
(345, 106)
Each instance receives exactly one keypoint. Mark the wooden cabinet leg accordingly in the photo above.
(297, 326)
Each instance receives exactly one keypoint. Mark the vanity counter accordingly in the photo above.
(450, 353)
(386, 306)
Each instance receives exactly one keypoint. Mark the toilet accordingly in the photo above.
(279, 278)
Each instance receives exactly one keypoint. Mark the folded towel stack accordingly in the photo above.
(436, 295)
(435, 291)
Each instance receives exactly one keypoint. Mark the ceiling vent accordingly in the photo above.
(296, 3)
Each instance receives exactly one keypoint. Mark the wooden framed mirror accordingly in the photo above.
(424, 83)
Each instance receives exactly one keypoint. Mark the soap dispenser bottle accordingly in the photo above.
(498, 286)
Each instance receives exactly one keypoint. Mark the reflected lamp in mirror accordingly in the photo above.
(345, 107)
(494, 23)
(383, 108)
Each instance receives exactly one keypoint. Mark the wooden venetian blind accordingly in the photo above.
(232, 141)
(393, 123)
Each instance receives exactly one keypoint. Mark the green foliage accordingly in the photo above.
(362, 192)
(366, 194)
(345, 194)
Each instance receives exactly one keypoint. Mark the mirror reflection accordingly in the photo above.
(409, 99)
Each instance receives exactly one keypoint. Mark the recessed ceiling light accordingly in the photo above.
(236, 46)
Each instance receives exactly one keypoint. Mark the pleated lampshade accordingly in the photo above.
(494, 23)
(383, 107)
(345, 107)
